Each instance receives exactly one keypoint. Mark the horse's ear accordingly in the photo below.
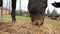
(56, 4)
(1, 3)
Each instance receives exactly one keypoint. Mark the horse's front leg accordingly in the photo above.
(1, 3)
(13, 14)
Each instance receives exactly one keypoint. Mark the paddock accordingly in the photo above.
(23, 26)
(7, 27)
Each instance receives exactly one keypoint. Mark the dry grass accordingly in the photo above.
(24, 27)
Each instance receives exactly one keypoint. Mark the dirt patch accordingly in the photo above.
(23, 27)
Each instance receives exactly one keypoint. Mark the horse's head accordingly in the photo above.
(37, 9)
(38, 20)
(37, 17)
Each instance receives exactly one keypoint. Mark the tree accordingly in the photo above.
(54, 12)
(25, 13)
(17, 13)
(20, 12)
(48, 12)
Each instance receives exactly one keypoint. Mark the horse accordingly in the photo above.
(36, 10)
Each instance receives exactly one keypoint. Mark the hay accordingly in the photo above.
(23, 27)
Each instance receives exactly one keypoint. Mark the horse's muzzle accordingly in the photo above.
(38, 21)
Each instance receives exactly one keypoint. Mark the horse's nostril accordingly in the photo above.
(41, 24)
(36, 23)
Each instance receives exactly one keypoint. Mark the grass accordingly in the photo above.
(21, 18)
(50, 21)
(17, 17)
(47, 20)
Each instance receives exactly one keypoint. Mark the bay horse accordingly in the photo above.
(36, 10)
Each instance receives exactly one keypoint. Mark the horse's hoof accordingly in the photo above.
(13, 21)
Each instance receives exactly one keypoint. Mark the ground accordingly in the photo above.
(24, 26)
